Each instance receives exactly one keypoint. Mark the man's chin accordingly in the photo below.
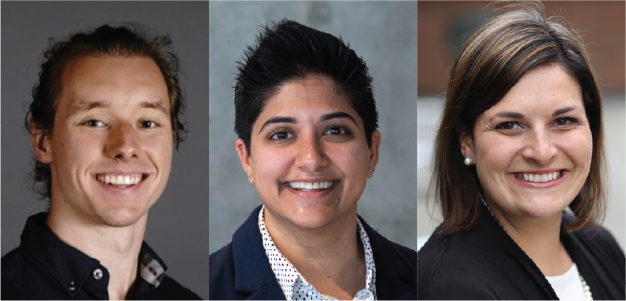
(121, 219)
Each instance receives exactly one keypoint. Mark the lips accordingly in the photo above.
(539, 177)
(121, 180)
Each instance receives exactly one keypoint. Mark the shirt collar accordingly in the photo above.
(73, 268)
(293, 284)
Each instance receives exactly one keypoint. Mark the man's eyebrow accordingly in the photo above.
(338, 114)
(86, 106)
(89, 105)
(278, 119)
(563, 111)
(154, 105)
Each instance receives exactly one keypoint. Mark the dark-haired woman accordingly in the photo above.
(520, 141)
(306, 119)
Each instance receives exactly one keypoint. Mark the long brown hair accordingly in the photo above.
(489, 64)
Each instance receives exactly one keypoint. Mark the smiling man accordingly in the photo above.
(104, 121)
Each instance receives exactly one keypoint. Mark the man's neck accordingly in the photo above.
(331, 259)
(117, 248)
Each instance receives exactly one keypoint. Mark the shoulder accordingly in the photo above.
(12, 273)
(222, 274)
(597, 240)
(170, 289)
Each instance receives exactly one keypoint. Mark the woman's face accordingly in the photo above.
(309, 157)
(533, 148)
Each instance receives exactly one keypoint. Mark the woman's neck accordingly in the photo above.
(330, 258)
(539, 239)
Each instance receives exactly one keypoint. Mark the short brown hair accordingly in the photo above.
(131, 40)
(489, 64)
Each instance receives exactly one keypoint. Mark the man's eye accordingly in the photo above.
(94, 123)
(336, 130)
(509, 125)
(281, 136)
(148, 124)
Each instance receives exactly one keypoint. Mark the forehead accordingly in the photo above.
(543, 89)
(311, 95)
(113, 80)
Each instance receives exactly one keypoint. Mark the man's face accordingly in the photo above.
(111, 147)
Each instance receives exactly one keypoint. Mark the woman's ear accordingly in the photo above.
(374, 151)
(245, 159)
(467, 145)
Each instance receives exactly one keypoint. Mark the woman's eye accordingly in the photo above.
(94, 123)
(509, 125)
(281, 136)
(148, 124)
(336, 130)
(564, 121)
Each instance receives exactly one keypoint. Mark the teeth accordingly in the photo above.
(119, 180)
(538, 178)
(309, 185)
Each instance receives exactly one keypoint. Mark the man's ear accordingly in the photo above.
(245, 159)
(374, 151)
(467, 145)
(40, 139)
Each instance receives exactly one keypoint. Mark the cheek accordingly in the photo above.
(495, 153)
(351, 159)
(578, 146)
(273, 163)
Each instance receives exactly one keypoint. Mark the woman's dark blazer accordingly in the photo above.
(485, 263)
(241, 270)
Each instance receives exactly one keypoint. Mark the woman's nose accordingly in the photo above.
(311, 153)
(541, 147)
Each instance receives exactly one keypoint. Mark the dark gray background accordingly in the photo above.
(177, 223)
(385, 35)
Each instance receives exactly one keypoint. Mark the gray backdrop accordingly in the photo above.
(385, 35)
(177, 224)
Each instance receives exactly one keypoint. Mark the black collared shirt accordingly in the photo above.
(44, 267)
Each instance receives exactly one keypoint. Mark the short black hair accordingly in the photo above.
(289, 50)
(130, 40)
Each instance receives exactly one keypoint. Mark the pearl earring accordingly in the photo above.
(468, 161)
(372, 169)
(250, 177)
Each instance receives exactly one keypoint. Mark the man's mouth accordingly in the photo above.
(539, 178)
(121, 181)
(311, 186)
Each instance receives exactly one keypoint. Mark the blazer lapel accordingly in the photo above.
(253, 273)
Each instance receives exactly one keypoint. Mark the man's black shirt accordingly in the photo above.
(44, 267)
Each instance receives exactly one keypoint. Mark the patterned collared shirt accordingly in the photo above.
(295, 287)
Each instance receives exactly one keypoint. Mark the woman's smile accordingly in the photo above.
(309, 158)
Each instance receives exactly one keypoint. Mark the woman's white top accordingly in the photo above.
(568, 286)
(295, 287)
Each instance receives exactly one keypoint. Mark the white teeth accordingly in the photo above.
(539, 178)
(120, 180)
(310, 185)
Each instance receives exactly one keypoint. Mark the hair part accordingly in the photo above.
(289, 51)
(131, 40)
(489, 64)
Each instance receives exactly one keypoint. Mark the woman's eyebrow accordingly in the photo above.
(333, 115)
(506, 115)
(563, 111)
(278, 119)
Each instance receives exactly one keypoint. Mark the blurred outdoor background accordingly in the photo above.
(443, 27)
